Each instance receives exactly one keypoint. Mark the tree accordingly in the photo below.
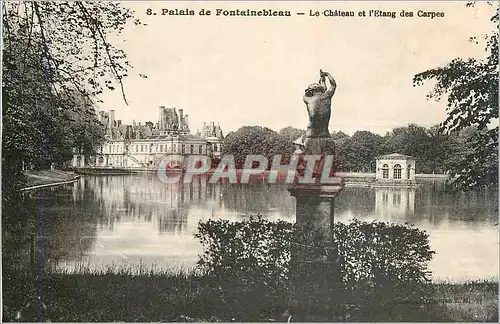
(343, 154)
(291, 133)
(412, 140)
(256, 140)
(338, 135)
(438, 150)
(365, 148)
(471, 87)
(56, 60)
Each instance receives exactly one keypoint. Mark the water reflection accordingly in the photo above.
(144, 198)
(392, 203)
(138, 219)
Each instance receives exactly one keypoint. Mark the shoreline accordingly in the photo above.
(48, 178)
(360, 176)
(351, 179)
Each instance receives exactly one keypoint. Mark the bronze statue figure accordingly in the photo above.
(317, 98)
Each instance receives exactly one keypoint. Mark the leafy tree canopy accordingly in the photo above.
(56, 60)
(470, 87)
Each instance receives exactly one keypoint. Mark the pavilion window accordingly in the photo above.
(409, 171)
(397, 171)
(200, 149)
(385, 171)
(161, 148)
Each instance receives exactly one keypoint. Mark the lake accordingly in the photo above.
(135, 220)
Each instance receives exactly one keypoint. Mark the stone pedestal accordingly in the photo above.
(314, 258)
(315, 205)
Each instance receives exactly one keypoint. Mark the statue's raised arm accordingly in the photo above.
(332, 84)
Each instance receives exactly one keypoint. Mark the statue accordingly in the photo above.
(318, 98)
(317, 140)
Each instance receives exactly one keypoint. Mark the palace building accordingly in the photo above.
(144, 145)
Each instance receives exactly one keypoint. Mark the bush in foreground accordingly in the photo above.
(370, 270)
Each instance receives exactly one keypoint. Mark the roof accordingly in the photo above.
(395, 156)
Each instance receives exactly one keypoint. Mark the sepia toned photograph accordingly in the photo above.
(176, 161)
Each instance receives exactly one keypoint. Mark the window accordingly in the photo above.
(409, 171)
(175, 148)
(191, 149)
(200, 149)
(397, 171)
(183, 149)
(161, 148)
(142, 148)
(385, 171)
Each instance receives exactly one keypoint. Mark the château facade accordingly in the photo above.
(145, 145)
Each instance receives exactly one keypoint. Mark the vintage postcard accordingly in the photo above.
(244, 161)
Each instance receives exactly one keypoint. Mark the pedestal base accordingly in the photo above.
(315, 206)
(313, 266)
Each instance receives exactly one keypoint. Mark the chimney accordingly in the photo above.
(181, 118)
(186, 121)
(111, 118)
(161, 118)
(119, 122)
(128, 134)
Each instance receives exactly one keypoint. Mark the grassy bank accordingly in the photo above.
(46, 177)
(127, 296)
(473, 301)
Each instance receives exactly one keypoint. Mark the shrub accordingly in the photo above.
(248, 263)
(370, 266)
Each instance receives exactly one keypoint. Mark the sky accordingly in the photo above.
(240, 71)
